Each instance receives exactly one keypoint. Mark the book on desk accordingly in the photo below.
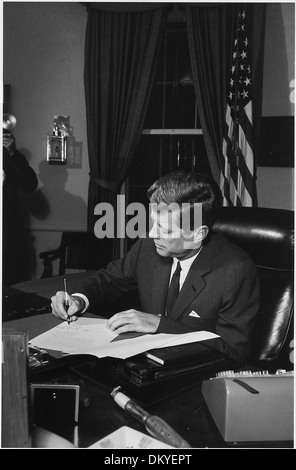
(185, 354)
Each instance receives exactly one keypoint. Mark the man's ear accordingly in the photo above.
(201, 233)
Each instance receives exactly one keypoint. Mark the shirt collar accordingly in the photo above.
(185, 263)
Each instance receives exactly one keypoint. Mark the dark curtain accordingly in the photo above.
(121, 53)
(210, 32)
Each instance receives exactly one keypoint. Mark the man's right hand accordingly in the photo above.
(59, 309)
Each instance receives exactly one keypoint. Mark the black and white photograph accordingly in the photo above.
(147, 228)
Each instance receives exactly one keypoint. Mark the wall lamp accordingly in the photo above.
(57, 141)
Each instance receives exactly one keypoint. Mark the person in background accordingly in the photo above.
(218, 283)
(18, 176)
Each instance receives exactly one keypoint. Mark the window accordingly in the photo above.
(172, 136)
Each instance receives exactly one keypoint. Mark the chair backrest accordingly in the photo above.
(83, 250)
(268, 236)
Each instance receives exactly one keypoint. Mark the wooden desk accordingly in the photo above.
(186, 411)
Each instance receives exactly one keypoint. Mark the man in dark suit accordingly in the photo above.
(18, 178)
(217, 281)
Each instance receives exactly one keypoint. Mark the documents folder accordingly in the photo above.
(197, 360)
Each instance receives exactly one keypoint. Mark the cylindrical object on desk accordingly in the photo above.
(156, 426)
(159, 429)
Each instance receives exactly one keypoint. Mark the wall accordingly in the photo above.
(43, 61)
(276, 185)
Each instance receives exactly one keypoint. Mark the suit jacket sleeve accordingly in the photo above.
(108, 285)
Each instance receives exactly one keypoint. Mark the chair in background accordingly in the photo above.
(268, 236)
(78, 251)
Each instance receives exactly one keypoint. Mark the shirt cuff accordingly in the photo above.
(86, 301)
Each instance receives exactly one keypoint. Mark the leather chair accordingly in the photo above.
(78, 251)
(268, 236)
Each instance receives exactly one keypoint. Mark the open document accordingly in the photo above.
(91, 336)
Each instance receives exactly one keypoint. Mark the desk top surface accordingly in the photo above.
(185, 411)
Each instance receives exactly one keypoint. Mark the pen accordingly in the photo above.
(156, 426)
(67, 299)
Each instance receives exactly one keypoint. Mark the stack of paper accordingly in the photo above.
(91, 336)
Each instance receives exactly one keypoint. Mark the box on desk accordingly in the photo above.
(248, 408)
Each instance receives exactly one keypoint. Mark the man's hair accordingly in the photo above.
(187, 187)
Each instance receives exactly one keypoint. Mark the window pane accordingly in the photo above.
(180, 107)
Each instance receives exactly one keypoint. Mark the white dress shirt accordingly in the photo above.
(185, 267)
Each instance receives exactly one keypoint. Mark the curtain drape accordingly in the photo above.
(210, 32)
(121, 52)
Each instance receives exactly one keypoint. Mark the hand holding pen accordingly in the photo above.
(65, 306)
(66, 301)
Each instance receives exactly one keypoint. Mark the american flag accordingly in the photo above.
(237, 180)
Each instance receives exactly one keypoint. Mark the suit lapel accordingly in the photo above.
(194, 282)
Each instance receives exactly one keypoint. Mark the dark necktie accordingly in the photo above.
(173, 291)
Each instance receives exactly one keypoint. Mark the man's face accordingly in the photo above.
(169, 239)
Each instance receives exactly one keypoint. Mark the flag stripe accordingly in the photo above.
(245, 173)
(237, 180)
(248, 154)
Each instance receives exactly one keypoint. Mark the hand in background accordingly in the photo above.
(9, 143)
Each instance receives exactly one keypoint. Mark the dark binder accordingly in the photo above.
(184, 353)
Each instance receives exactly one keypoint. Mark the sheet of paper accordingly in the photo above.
(130, 347)
(191, 337)
(90, 336)
(85, 336)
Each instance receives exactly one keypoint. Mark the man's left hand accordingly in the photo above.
(133, 320)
